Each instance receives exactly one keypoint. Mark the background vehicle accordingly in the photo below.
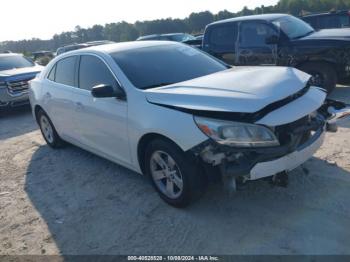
(15, 72)
(177, 37)
(335, 19)
(43, 57)
(249, 122)
(68, 48)
(283, 40)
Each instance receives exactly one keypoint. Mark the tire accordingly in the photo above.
(178, 171)
(323, 75)
(48, 130)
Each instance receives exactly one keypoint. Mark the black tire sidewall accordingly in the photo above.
(188, 170)
(57, 142)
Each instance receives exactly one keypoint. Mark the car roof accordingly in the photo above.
(175, 34)
(267, 17)
(148, 36)
(124, 46)
(157, 35)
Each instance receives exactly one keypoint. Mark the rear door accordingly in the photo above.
(252, 48)
(59, 96)
(333, 21)
(102, 122)
(220, 41)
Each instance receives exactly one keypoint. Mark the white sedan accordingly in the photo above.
(179, 116)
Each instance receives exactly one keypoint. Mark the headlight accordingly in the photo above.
(236, 133)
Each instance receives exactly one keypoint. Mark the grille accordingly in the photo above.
(286, 133)
(18, 86)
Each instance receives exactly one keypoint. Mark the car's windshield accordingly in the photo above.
(14, 61)
(181, 37)
(155, 66)
(293, 27)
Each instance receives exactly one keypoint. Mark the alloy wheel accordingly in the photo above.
(46, 128)
(166, 174)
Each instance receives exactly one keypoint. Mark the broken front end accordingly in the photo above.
(271, 142)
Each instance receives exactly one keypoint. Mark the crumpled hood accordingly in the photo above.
(329, 34)
(240, 89)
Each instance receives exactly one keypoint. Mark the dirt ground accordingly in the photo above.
(69, 201)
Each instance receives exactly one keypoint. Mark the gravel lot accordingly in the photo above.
(69, 201)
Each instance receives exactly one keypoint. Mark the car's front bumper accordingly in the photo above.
(290, 161)
(299, 140)
(13, 100)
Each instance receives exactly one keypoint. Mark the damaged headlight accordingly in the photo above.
(236, 133)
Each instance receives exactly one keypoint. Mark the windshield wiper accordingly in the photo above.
(157, 85)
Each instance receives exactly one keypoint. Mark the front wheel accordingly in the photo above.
(175, 178)
(322, 75)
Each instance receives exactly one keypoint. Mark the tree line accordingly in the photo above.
(194, 24)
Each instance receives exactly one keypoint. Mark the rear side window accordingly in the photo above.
(93, 71)
(52, 74)
(222, 38)
(329, 21)
(344, 20)
(65, 71)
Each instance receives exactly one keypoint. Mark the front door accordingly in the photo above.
(252, 48)
(102, 121)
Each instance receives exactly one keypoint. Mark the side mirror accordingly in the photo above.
(272, 40)
(101, 91)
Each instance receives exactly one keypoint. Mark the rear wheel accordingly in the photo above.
(48, 130)
(323, 75)
(175, 178)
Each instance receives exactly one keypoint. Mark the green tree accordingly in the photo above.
(198, 21)
(195, 23)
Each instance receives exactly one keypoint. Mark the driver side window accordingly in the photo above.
(255, 33)
(92, 72)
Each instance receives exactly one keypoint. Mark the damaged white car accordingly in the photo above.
(181, 117)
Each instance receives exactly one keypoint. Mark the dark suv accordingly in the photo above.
(337, 19)
(284, 40)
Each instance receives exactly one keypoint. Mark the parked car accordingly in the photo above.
(335, 19)
(72, 47)
(283, 40)
(15, 72)
(43, 57)
(180, 116)
(197, 42)
(39, 54)
(177, 37)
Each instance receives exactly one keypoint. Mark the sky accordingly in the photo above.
(25, 19)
